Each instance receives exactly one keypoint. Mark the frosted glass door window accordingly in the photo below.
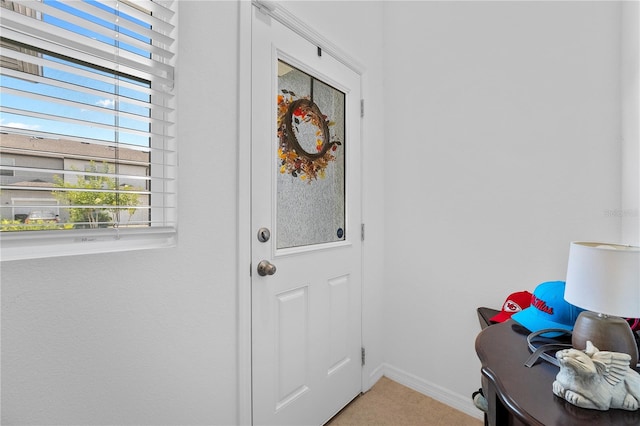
(310, 160)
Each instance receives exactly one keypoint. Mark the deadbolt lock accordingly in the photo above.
(263, 235)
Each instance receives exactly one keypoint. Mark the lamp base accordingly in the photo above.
(606, 333)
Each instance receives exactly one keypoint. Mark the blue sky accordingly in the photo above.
(93, 108)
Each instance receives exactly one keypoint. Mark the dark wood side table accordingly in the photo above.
(485, 315)
(518, 395)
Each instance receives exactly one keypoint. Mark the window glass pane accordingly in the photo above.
(9, 162)
(82, 30)
(78, 134)
(71, 104)
(310, 160)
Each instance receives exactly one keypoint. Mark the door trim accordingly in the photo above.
(243, 207)
(285, 17)
(289, 20)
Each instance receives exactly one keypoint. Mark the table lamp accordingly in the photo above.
(604, 279)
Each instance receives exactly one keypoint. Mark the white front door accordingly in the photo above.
(306, 215)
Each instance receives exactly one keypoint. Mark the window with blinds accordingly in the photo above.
(87, 149)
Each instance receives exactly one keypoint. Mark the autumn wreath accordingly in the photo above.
(295, 160)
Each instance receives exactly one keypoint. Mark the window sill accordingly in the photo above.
(42, 244)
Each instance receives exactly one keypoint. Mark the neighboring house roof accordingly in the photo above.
(64, 148)
(32, 184)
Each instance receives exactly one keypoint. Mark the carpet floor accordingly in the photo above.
(391, 404)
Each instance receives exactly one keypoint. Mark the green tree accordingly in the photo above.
(98, 202)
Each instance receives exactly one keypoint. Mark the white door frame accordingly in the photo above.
(282, 15)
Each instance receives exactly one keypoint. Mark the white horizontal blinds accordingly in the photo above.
(90, 31)
(86, 94)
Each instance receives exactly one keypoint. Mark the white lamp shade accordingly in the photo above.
(604, 278)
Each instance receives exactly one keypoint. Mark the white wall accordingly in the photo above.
(502, 146)
(630, 211)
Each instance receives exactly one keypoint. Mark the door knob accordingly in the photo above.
(266, 268)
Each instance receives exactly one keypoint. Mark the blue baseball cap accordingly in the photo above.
(548, 309)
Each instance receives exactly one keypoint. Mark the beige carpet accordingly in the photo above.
(390, 403)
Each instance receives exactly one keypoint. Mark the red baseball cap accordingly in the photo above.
(516, 302)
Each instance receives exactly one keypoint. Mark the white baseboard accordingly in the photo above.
(459, 402)
(374, 376)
